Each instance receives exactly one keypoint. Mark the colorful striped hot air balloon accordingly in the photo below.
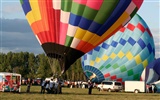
(123, 56)
(67, 29)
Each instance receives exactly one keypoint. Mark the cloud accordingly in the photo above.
(17, 36)
(11, 9)
(15, 25)
(156, 36)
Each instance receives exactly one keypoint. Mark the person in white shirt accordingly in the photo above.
(43, 86)
(51, 84)
(56, 88)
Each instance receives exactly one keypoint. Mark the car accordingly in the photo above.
(110, 86)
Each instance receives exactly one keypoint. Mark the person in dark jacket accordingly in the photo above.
(90, 86)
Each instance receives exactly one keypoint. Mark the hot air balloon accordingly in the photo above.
(152, 72)
(123, 56)
(67, 29)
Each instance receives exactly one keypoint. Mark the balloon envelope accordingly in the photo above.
(152, 72)
(67, 29)
(123, 56)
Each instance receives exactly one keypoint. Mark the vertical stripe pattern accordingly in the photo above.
(78, 24)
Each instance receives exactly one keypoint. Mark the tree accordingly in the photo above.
(44, 69)
(29, 65)
(24, 67)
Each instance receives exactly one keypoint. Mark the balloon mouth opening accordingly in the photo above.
(64, 55)
(54, 50)
(93, 74)
(54, 55)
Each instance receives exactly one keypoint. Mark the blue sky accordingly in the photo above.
(11, 15)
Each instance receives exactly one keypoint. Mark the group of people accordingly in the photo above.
(51, 86)
(151, 88)
(54, 86)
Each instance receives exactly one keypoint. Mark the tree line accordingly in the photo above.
(30, 65)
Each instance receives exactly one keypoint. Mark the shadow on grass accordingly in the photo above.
(69, 93)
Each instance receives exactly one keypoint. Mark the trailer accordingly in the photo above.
(10, 82)
(134, 86)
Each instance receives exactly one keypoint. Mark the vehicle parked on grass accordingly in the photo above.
(10, 82)
(134, 86)
(37, 81)
(110, 86)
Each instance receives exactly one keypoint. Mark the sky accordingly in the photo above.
(16, 35)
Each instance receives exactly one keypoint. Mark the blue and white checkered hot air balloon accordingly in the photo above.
(123, 56)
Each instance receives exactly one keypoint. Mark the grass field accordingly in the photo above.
(76, 94)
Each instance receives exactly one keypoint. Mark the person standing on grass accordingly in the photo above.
(59, 87)
(147, 88)
(51, 84)
(29, 83)
(43, 86)
(47, 87)
(153, 88)
(55, 86)
(90, 86)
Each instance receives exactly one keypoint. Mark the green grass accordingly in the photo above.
(76, 94)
